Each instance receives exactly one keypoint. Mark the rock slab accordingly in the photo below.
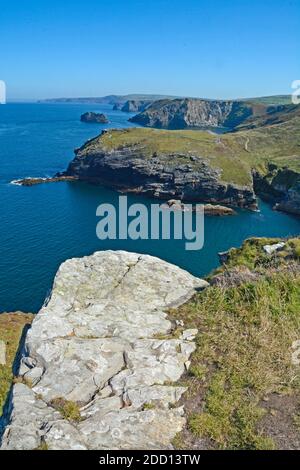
(104, 342)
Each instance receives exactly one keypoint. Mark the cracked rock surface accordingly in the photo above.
(104, 341)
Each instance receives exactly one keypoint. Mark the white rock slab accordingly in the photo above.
(94, 344)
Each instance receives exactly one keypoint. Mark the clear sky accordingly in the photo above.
(212, 48)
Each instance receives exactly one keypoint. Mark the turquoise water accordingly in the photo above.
(42, 226)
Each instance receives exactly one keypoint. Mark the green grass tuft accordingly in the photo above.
(243, 352)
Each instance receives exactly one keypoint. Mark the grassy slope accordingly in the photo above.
(271, 100)
(243, 359)
(11, 328)
(234, 153)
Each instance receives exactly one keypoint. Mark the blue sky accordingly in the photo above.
(213, 48)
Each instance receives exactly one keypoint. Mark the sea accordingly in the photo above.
(43, 225)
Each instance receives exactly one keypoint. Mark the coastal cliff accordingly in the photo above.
(150, 170)
(101, 357)
(99, 118)
(192, 165)
(193, 113)
(281, 186)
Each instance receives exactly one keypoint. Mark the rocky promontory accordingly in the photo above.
(94, 118)
(100, 359)
(154, 170)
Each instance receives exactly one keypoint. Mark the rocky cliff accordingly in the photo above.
(281, 186)
(196, 165)
(94, 117)
(133, 106)
(165, 175)
(100, 358)
(191, 113)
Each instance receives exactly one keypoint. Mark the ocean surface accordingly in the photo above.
(43, 225)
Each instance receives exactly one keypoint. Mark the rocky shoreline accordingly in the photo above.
(34, 181)
(100, 359)
(280, 186)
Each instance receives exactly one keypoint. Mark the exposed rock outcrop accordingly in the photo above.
(94, 117)
(133, 106)
(188, 112)
(208, 209)
(104, 341)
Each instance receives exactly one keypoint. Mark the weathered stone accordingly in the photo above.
(94, 344)
(2, 353)
(77, 368)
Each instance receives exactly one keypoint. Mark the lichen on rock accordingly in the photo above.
(95, 345)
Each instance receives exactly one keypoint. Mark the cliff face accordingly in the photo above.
(170, 175)
(94, 374)
(133, 106)
(184, 113)
(280, 185)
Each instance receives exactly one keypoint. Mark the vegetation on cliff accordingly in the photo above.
(244, 387)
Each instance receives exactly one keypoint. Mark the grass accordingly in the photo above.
(11, 328)
(69, 410)
(243, 354)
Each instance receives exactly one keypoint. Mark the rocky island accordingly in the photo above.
(184, 113)
(94, 117)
